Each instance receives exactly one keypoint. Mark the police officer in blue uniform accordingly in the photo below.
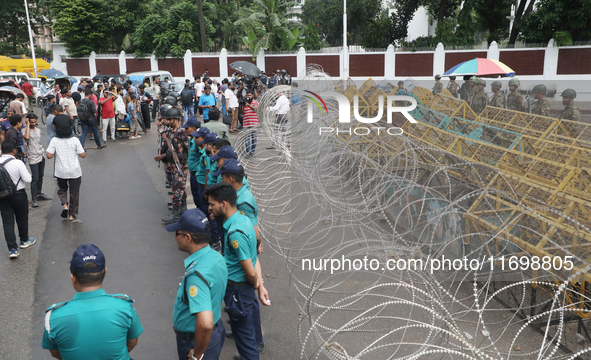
(241, 259)
(233, 173)
(222, 154)
(197, 310)
(94, 324)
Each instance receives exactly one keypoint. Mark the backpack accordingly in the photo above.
(7, 187)
(186, 97)
(84, 113)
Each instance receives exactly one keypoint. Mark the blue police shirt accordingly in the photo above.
(194, 156)
(240, 243)
(247, 204)
(93, 325)
(206, 100)
(213, 167)
(194, 294)
(202, 167)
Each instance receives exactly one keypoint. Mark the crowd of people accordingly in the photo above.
(220, 234)
(474, 93)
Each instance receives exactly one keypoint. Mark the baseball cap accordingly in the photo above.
(201, 132)
(231, 166)
(209, 138)
(192, 121)
(80, 88)
(226, 152)
(192, 220)
(87, 253)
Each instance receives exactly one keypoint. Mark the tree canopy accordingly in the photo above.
(328, 17)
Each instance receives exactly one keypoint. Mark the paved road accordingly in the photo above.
(121, 203)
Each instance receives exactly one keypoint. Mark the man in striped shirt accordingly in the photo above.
(251, 123)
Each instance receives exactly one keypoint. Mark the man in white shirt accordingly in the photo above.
(198, 92)
(281, 109)
(16, 205)
(232, 106)
(67, 169)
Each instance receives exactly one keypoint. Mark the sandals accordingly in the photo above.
(64, 213)
(73, 217)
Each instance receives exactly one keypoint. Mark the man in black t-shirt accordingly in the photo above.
(62, 123)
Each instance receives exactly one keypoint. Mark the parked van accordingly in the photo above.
(16, 76)
(147, 77)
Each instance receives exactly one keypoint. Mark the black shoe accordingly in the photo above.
(170, 193)
(102, 147)
(169, 204)
(229, 334)
(113, 140)
(43, 197)
(168, 186)
(173, 217)
(34, 203)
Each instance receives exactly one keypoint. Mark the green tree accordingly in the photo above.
(172, 29)
(379, 33)
(312, 37)
(267, 26)
(566, 22)
(328, 16)
(14, 32)
(80, 24)
(122, 19)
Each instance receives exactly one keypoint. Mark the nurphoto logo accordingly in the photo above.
(344, 112)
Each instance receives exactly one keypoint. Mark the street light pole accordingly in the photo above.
(345, 47)
(31, 39)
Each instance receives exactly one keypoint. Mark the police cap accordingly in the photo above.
(226, 152)
(193, 221)
(231, 166)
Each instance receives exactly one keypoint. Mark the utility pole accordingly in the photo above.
(345, 74)
(31, 40)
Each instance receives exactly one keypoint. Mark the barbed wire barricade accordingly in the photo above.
(388, 209)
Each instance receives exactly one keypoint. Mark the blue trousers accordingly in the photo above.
(198, 192)
(256, 318)
(244, 328)
(214, 348)
(92, 128)
(251, 140)
(189, 111)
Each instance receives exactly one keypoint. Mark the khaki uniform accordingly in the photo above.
(497, 100)
(515, 101)
(453, 88)
(479, 101)
(541, 108)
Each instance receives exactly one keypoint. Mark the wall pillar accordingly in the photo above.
(224, 63)
(92, 64)
(301, 63)
(122, 63)
(389, 63)
(550, 60)
(439, 60)
(261, 59)
(188, 62)
(493, 52)
(153, 63)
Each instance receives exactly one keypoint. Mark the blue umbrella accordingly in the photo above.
(50, 73)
